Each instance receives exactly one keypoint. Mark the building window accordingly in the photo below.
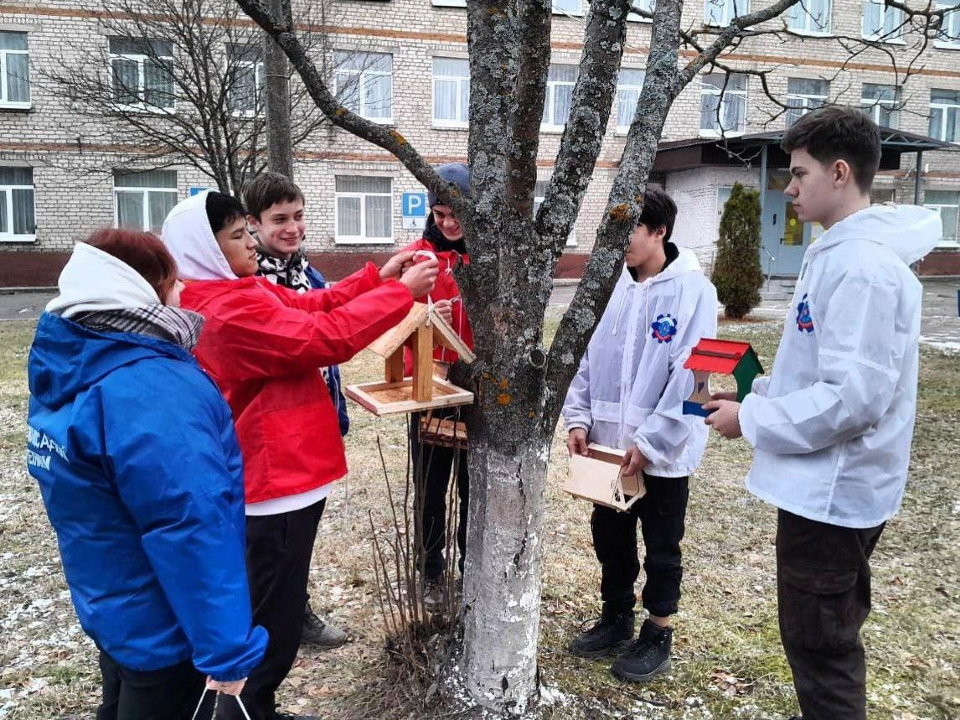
(14, 70)
(947, 203)
(539, 193)
(364, 210)
(142, 74)
(882, 103)
(246, 77)
(804, 95)
(556, 108)
(945, 115)
(720, 13)
(450, 3)
(949, 35)
(811, 17)
(882, 23)
(644, 6)
(364, 84)
(629, 85)
(568, 7)
(142, 200)
(17, 220)
(723, 104)
(451, 92)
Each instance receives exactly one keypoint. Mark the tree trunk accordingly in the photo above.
(508, 474)
(277, 96)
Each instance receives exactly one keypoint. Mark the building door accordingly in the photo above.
(785, 237)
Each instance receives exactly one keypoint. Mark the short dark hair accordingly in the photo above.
(839, 133)
(659, 211)
(267, 189)
(222, 209)
(142, 251)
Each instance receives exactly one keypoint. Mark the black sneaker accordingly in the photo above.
(607, 637)
(319, 633)
(647, 656)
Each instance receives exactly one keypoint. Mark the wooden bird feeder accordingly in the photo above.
(424, 390)
(724, 357)
(597, 478)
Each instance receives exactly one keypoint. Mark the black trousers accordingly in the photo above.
(279, 548)
(823, 593)
(168, 694)
(433, 466)
(661, 514)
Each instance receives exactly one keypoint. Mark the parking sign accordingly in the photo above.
(414, 211)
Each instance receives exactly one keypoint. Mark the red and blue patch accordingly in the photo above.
(804, 319)
(664, 328)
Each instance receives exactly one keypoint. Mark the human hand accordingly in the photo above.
(724, 417)
(227, 688)
(726, 395)
(444, 308)
(393, 268)
(421, 277)
(633, 462)
(577, 442)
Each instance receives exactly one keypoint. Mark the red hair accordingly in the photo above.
(142, 251)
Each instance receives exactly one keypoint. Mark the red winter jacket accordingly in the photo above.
(445, 289)
(263, 345)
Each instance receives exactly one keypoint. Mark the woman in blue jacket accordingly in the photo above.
(141, 475)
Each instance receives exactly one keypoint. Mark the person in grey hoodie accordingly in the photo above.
(832, 426)
(628, 394)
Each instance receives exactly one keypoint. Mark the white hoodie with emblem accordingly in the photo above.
(833, 423)
(631, 383)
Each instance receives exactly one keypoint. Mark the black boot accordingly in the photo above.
(647, 656)
(607, 637)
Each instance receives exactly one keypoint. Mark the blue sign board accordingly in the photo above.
(414, 210)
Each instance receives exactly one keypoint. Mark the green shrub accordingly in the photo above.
(736, 272)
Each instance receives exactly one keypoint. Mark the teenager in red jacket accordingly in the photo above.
(263, 345)
(433, 465)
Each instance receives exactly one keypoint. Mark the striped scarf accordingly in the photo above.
(157, 321)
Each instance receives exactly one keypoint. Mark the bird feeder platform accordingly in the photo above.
(598, 478)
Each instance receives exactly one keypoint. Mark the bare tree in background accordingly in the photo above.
(520, 384)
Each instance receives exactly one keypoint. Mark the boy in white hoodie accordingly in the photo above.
(628, 394)
(832, 425)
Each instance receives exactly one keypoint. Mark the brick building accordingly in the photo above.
(56, 182)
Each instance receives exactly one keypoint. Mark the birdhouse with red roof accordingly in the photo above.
(724, 357)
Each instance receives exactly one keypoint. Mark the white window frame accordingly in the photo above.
(550, 98)
(450, 3)
(538, 201)
(10, 236)
(624, 129)
(808, 101)
(4, 84)
(360, 239)
(459, 79)
(576, 13)
(259, 84)
(720, 13)
(950, 39)
(646, 6)
(145, 216)
(940, 207)
(895, 37)
(140, 59)
(801, 21)
(872, 106)
(725, 94)
(361, 82)
(946, 107)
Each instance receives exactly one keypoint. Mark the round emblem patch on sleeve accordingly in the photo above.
(804, 319)
(664, 328)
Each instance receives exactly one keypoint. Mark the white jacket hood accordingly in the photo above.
(910, 231)
(186, 233)
(93, 280)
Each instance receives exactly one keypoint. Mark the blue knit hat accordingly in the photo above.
(456, 173)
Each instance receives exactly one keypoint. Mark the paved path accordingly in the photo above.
(941, 324)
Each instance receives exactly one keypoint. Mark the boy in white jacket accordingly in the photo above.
(628, 394)
(832, 426)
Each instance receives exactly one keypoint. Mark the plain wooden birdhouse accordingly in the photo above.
(598, 478)
(724, 357)
(425, 330)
